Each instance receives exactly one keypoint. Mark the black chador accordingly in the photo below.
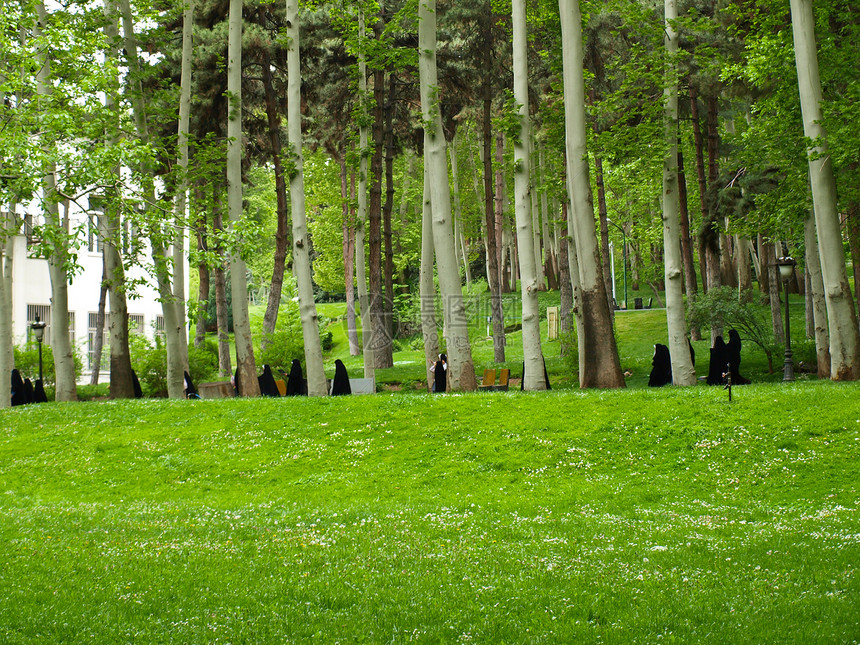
(135, 382)
(190, 390)
(296, 385)
(268, 387)
(661, 370)
(440, 374)
(545, 376)
(18, 396)
(719, 362)
(734, 358)
(39, 395)
(340, 383)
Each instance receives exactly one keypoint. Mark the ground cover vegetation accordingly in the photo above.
(605, 516)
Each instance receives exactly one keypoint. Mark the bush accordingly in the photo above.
(150, 363)
(27, 362)
(281, 348)
(722, 307)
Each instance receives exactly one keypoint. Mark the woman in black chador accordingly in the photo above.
(661, 371)
(190, 390)
(268, 387)
(440, 374)
(296, 385)
(39, 395)
(18, 396)
(719, 362)
(340, 383)
(733, 348)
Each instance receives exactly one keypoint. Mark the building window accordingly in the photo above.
(159, 326)
(135, 324)
(91, 343)
(95, 244)
(44, 314)
(72, 328)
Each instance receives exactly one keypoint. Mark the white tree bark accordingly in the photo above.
(8, 229)
(427, 290)
(533, 369)
(461, 372)
(597, 348)
(182, 189)
(683, 372)
(841, 316)
(64, 358)
(815, 295)
(245, 362)
(301, 243)
(361, 217)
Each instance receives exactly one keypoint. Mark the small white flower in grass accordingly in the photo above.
(658, 547)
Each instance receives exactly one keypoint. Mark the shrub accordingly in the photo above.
(27, 362)
(150, 363)
(723, 308)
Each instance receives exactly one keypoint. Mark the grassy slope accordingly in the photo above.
(638, 516)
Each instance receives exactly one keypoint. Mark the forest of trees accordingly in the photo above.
(397, 150)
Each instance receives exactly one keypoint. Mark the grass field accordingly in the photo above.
(634, 516)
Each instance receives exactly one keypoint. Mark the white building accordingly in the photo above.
(31, 295)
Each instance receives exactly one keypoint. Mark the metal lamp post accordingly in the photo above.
(786, 270)
(624, 255)
(38, 328)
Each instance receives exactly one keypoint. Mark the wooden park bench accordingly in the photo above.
(488, 384)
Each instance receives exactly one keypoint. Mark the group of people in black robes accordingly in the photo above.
(725, 360)
(296, 384)
(25, 391)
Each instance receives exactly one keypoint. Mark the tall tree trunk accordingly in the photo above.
(361, 217)
(159, 236)
(64, 364)
(349, 257)
(815, 295)
(427, 289)
(301, 242)
(533, 365)
(492, 240)
(459, 237)
(768, 260)
(461, 371)
(273, 115)
(247, 366)
(222, 320)
(540, 276)
(701, 176)
(202, 279)
(852, 228)
(9, 225)
(99, 336)
(499, 225)
(841, 315)
(110, 227)
(744, 262)
(602, 367)
(381, 342)
(602, 215)
(181, 218)
(388, 207)
(683, 372)
(690, 282)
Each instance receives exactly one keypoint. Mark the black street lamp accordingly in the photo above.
(786, 270)
(624, 255)
(38, 328)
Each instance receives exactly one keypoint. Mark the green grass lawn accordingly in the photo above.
(635, 516)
